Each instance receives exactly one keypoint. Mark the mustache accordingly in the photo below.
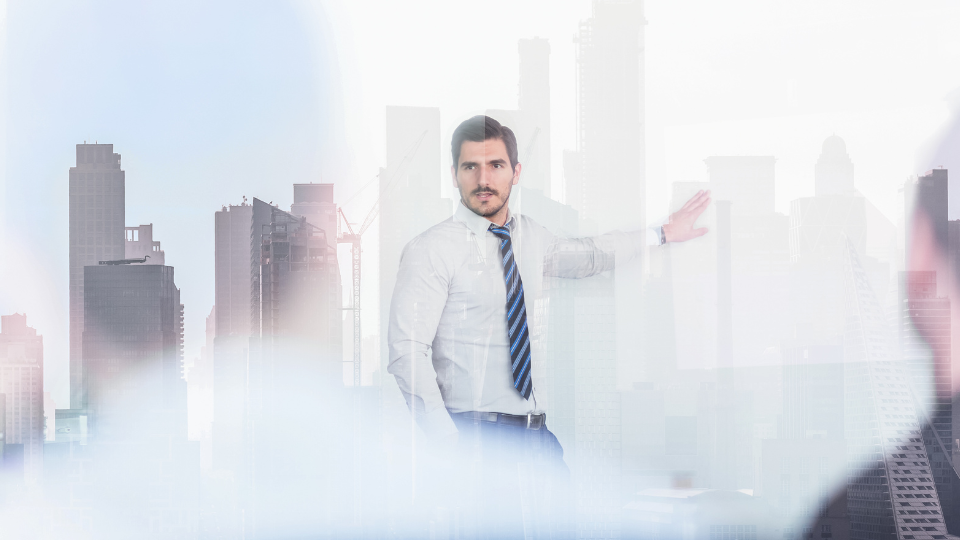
(484, 190)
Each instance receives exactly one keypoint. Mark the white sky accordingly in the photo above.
(738, 77)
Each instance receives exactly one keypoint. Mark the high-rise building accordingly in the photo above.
(96, 234)
(315, 202)
(133, 346)
(136, 416)
(534, 146)
(891, 484)
(21, 381)
(299, 293)
(834, 170)
(531, 121)
(611, 181)
(298, 463)
(139, 244)
(610, 115)
(233, 286)
(931, 191)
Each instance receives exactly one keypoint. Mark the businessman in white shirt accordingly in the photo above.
(460, 342)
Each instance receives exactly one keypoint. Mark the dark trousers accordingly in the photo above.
(515, 483)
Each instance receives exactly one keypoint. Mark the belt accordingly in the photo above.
(528, 421)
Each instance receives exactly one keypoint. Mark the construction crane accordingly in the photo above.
(353, 237)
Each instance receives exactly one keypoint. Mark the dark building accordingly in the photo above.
(133, 346)
(930, 192)
(96, 234)
(134, 460)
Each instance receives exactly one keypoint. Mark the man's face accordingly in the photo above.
(485, 178)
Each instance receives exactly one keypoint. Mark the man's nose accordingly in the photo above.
(485, 176)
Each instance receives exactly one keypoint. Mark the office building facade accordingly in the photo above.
(21, 382)
(97, 185)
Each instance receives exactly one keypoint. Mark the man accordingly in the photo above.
(460, 333)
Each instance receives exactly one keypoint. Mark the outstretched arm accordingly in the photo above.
(583, 257)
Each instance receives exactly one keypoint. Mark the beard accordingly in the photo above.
(489, 209)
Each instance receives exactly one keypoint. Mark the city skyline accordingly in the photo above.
(731, 370)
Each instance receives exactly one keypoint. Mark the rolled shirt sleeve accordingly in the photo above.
(415, 310)
(585, 257)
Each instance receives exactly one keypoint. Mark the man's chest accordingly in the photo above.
(477, 289)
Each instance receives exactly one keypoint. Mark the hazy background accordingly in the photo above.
(208, 102)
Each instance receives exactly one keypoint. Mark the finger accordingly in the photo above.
(701, 205)
(691, 200)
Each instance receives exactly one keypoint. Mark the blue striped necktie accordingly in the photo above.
(516, 315)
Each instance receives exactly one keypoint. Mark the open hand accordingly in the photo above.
(680, 227)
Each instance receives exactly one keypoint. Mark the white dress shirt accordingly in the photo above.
(447, 336)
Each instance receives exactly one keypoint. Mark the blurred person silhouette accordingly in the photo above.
(906, 486)
(461, 336)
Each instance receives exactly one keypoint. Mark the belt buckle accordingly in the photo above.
(534, 424)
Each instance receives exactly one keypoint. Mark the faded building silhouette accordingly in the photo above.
(21, 384)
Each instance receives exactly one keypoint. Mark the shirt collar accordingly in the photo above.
(479, 224)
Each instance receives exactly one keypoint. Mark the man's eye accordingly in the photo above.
(497, 165)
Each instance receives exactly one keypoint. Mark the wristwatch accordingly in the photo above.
(663, 236)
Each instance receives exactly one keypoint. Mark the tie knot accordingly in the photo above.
(502, 232)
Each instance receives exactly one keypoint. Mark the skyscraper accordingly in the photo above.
(315, 202)
(21, 381)
(834, 170)
(133, 346)
(96, 234)
(610, 178)
(535, 108)
(233, 297)
(136, 442)
(610, 115)
(530, 123)
(298, 461)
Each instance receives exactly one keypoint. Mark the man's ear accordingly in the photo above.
(516, 174)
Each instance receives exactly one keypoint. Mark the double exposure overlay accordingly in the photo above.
(457, 270)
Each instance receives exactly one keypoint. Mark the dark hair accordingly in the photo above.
(483, 128)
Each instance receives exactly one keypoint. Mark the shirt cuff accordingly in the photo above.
(654, 235)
